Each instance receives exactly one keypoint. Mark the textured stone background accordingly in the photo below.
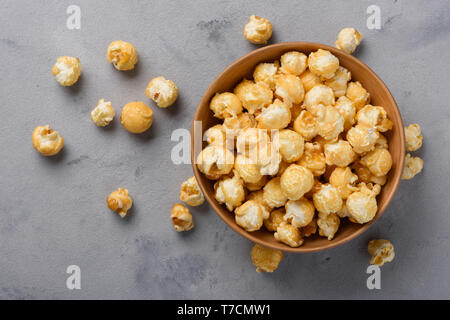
(53, 212)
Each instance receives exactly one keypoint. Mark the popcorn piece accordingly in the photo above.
(310, 229)
(364, 174)
(348, 39)
(230, 191)
(258, 30)
(299, 213)
(323, 63)
(381, 142)
(289, 88)
(306, 125)
(296, 181)
(362, 205)
(358, 95)
(413, 137)
(328, 224)
(234, 125)
(275, 116)
(413, 166)
(122, 54)
(67, 70)
(381, 250)
(215, 135)
(339, 153)
(273, 195)
(293, 62)
(362, 138)
(313, 158)
(256, 185)
(163, 92)
(289, 235)
(265, 259)
(374, 117)
(225, 105)
(339, 82)
(103, 113)
(47, 141)
(247, 169)
(120, 202)
(343, 179)
(291, 145)
(258, 196)
(181, 218)
(330, 122)
(254, 96)
(136, 117)
(346, 108)
(266, 73)
(190, 192)
(215, 161)
(275, 219)
(327, 200)
(309, 80)
(319, 94)
(249, 216)
(378, 161)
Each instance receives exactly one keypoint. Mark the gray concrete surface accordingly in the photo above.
(53, 212)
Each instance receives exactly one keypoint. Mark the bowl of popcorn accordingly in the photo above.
(303, 146)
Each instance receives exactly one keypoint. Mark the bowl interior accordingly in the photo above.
(380, 95)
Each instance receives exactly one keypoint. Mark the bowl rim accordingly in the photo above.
(249, 235)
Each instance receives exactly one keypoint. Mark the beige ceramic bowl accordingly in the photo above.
(380, 95)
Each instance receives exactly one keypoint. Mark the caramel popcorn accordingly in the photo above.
(249, 216)
(181, 218)
(309, 80)
(230, 191)
(413, 137)
(358, 95)
(327, 199)
(338, 83)
(122, 54)
(328, 225)
(47, 141)
(344, 180)
(216, 135)
(275, 219)
(190, 192)
(310, 229)
(313, 158)
(323, 63)
(247, 169)
(296, 181)
(67, 70)
(215, 161)
(339, 153)
(348, 39)
(330, 122)
(289, 235)
(255, 186)
(306, 125)
(265, 259)
(378, 161)
(293, 62)
(136, 117)
(258, 196)
(254, 96)
(291, 145)
(374, 117)
(266, 73)
(362, 205)
(381, 250)
(276, 116)
(319, 94)
(103, 113)
(299, 213)
(273, 195)
(258, 30)
(163, 92)
(120, 202)
(346, 108)
(413, 166)
(225, 105)
(289, 88)
(362, 138)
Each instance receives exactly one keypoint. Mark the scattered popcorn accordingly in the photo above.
(120, 202)
(136, 117)
(381, 250)
(266, 259)
(190, 192)
(163, 92)
(47, 141)
(413, 137)
(103, 113)
(67, 70)
(181, 218)
(122, 54)
(258, 30)
(348, 39)
(413, 166)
